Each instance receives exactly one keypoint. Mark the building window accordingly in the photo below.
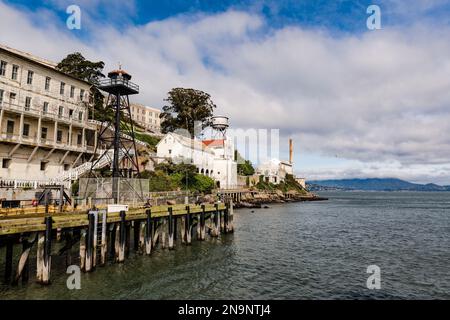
(27, 103)
(59, 136)
(61, 88)
(10, 127)
(80, 116)
(66, 167)
(60, 111)
(43, 165)
(44, 131)
(72, 91)
(79, 138)
(30, 77)
(70, 113)
(45, 108)
(12, 97)
(1, 96)
(26, 130)
(3, 68)
(6, 163)
(15, 72)
(47, 83)
(81, 94)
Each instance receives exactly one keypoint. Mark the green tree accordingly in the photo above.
(76, 65)
(185, 107)
(244, 167)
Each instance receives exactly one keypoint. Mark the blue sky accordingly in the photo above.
(358, 103)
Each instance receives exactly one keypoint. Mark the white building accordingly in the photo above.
(213, 158)
(146, 117)
(44, 127)
(275, 171)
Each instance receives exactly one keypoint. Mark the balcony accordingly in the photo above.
(118, 86)
(40, 113)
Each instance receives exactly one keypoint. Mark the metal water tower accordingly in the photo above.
(121, 141)
(220, 124)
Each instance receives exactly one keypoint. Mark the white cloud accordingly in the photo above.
(379, 97)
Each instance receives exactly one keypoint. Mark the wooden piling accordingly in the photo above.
(157, 230)
(90, 243)
(202, 224)
(215, 227)
(148, 233)
(40, 256)
(47, 261)
(163, 233)
(104, 245)
(188, 226)
(127, 238)
(171, 228)
(136, 234)
(122, 237)
(183, 229)
(82, 249)
(175, 228)
(23, 268)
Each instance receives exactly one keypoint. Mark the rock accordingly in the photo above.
(171, 202)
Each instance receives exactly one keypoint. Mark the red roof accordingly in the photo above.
(214, 143)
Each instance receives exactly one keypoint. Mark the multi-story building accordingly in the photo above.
(146, 117)
(213, 158)
(44, 127)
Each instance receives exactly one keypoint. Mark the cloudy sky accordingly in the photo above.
(357, 102)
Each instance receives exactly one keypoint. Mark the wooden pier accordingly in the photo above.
(102, 236)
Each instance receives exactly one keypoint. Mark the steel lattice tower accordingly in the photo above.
(118, 134)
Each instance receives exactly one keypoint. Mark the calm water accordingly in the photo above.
(291, 251)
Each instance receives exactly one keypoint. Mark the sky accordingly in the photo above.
(357, 102)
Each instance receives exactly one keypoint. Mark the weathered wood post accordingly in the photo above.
(225, 218)
(141, 244)
(148, 233)
(9, 260)
(90, 243)
(127, 238)
(231, 217)
(171, 228)
(23, 269)
(137, 233)
(222, 221)
(157, 227)
(47, 261)
(122, 237)
(82, 249)
(175, 228)
(183, 229)
(202, 224)
(163, 233)
(188, 226)
(104, 245)
(215, 227)
(112, 240)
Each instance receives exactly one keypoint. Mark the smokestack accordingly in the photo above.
(291, 151)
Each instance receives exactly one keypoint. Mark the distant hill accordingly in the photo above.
(374, 184)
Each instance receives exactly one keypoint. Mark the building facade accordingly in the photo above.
(146, 117)
(274, 171)
(213, 158)
(44, 127)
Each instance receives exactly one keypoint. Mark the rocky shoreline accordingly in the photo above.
(260, 200)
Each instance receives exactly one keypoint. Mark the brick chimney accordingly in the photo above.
(291, 151)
